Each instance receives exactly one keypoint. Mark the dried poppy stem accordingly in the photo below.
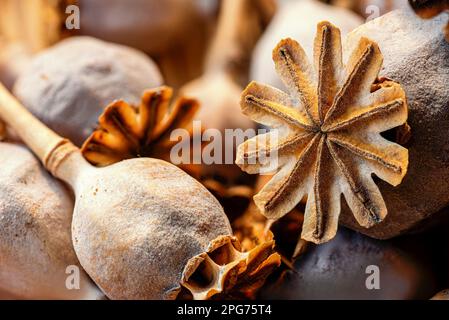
(141, 228)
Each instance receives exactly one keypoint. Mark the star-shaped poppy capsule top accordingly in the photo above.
(328, 140)
(126, 131)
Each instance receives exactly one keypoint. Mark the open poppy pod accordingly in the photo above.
(127, 131)
(327, 141)
(141, 228)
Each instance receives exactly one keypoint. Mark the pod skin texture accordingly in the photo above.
(68, 85)
(35, 238)
(169, 219)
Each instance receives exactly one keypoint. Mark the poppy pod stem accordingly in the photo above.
(49, 147)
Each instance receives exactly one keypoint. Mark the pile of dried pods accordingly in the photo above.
(315, 141)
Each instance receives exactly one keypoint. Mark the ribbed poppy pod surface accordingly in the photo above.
(142, 228)
(37, 259)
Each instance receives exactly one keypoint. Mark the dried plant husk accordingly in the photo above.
(328, 138)
(141, 227)
(416, 55)
(35, 236)
(296, 20)
(68, 85)
(129, 131)
(228, 272)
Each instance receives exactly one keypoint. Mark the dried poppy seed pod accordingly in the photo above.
(416, 55)
(296, 20)
(142, 228)
(35, 235)
(77, 78)
(327, 133)
(129, 131)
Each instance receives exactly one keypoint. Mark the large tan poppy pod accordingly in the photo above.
(36, 252)
(297, 20)
(67, 86)
(416, 55)
(143, 228)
